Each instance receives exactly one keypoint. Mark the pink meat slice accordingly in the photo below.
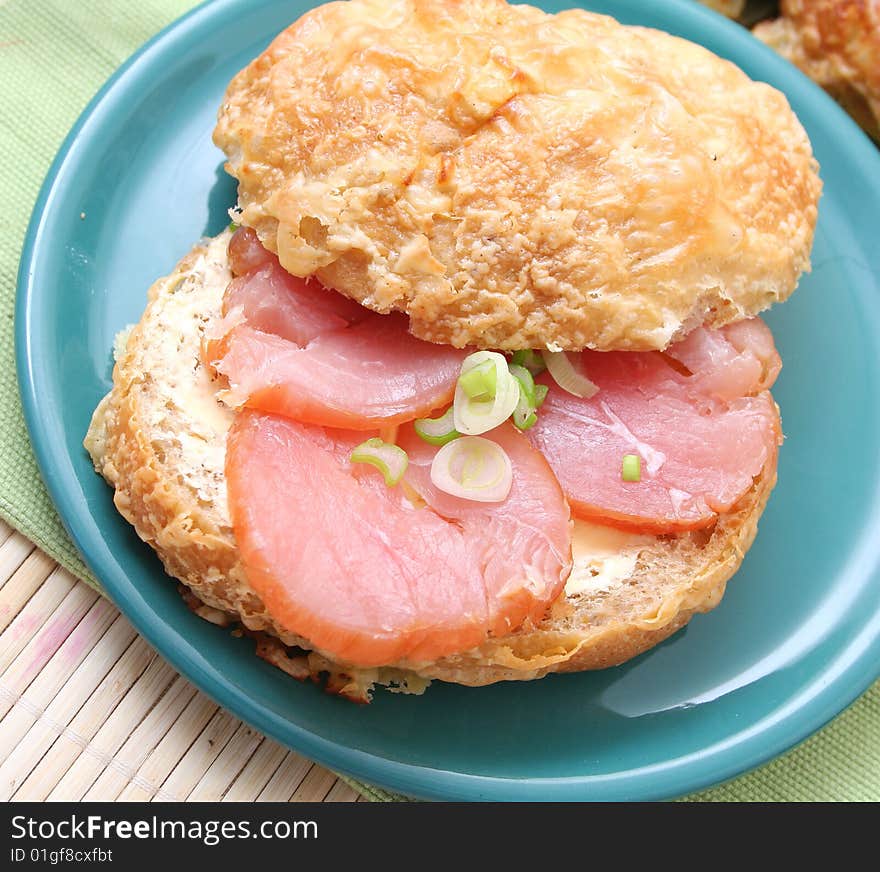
(292, 347)
(371, 375)
(698, 415)
(737, 360)
(273, 301)
(246, 252)
(372, 577)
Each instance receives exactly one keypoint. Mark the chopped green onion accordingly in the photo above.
(233, 226)
(530, 360)
(524, 414)
(437, 431)
(481, 413)
(526, 382)
(540, 395)
(566, 376)
(632, 467)
(473, 468)
(390, 460)
(481, 381)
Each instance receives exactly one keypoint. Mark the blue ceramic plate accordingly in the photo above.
(797, 637)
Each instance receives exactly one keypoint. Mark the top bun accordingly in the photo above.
(513, 179)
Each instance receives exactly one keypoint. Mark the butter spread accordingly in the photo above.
(602, 557)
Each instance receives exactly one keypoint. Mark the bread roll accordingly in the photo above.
(837, 44)
(512, 179)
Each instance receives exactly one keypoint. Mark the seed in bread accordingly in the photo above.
(512, 179)
(159, 439)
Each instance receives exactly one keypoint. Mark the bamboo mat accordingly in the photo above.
(88, 711)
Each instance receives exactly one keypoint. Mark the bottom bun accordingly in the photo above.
(159, 438)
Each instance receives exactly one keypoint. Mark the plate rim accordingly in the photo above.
(677, 777)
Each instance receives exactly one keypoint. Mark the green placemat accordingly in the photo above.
(54, 55)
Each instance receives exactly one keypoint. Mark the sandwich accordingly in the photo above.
(474, 389)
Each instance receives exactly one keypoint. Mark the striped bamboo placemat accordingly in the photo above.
(88, 711)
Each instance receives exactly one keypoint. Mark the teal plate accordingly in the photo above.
(797, 637)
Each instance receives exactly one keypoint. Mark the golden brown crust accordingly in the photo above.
(837, 44)
(159, 440)
(513, 179)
